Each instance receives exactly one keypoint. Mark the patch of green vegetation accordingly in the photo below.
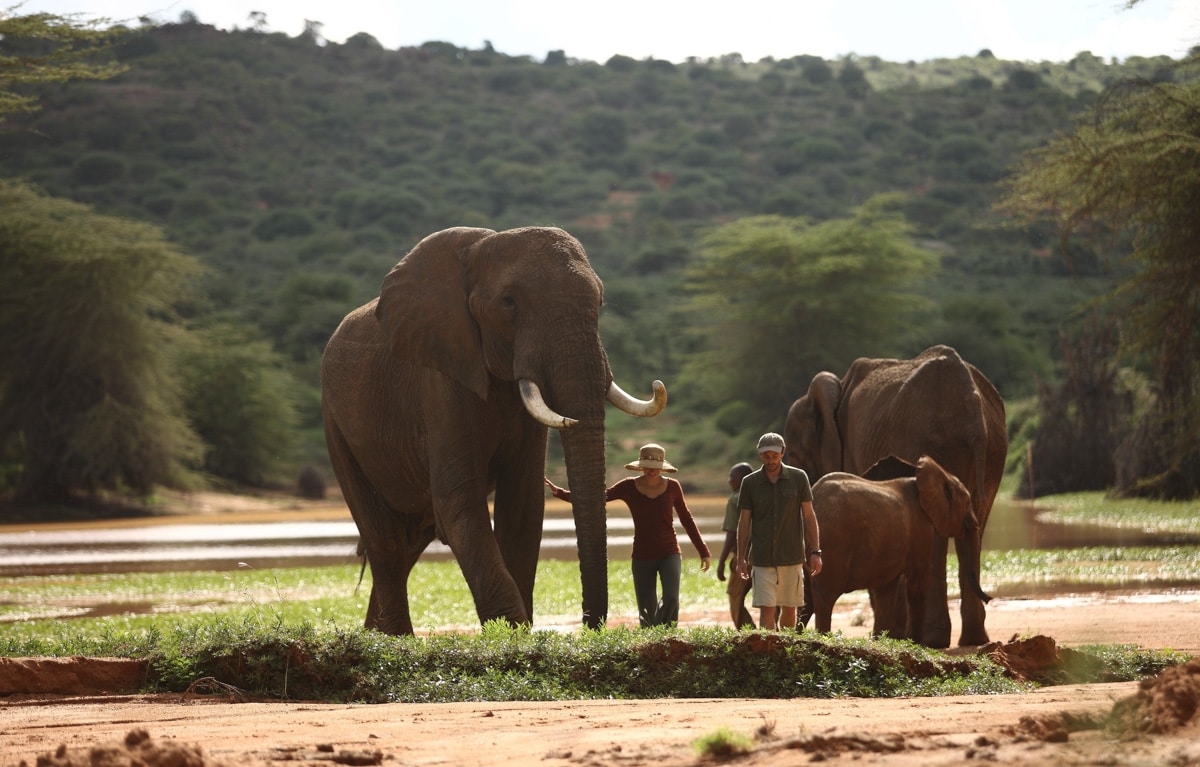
(1010, 571)
(505, 663)
(723, 744)
(1096, 508)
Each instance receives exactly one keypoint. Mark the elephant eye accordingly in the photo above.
(508, 302)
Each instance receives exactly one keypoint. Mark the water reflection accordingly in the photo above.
(1017, 525)
(224, 546)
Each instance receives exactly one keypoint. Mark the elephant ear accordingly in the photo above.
(825, 393)
(943, 497)
(424, 309)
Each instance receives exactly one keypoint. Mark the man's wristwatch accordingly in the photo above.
(815, 551)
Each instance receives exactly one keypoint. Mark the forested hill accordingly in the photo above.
(300, 171)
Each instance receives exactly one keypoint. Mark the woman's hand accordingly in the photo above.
(704, 564)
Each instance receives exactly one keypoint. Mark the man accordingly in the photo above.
(737, 588)
(777, 526)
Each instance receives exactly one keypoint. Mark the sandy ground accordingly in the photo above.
(1026, 729)
(1034, 728)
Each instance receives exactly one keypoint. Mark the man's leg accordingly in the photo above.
(766, 618)
(787, 618)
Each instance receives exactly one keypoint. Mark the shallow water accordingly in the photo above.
(226, 545)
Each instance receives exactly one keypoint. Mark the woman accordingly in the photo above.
(653, 500)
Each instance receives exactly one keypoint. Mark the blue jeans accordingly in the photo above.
(646, 573)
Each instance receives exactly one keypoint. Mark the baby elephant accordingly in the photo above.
(878, 534)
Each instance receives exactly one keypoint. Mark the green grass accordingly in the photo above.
(1007, 572)
(723, 744)
(1158, 517)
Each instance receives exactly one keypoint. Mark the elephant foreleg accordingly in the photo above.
(466, 528)
(519, 511)
(971, 608)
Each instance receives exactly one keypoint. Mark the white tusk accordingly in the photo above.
(531, 395)
(639, 407)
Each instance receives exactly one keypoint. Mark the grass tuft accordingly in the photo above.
(723, 745)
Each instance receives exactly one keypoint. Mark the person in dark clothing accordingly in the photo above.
(737, 588)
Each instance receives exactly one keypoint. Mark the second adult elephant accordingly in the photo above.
(440, 392)
(934, 404)
(880, 534)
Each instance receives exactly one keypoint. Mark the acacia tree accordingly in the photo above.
(88, 400)
(1130, 172)
(42, 48)
(776, 300)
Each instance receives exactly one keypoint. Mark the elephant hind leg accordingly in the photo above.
(392, 573)
(388, 551)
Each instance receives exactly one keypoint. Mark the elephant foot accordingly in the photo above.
(936, 640)
(973, 638)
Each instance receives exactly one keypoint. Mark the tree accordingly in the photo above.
(88, 400)
(44, 48)
(241, 401)
(1130, 173)
(776, 300)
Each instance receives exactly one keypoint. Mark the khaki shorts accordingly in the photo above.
(781, 586)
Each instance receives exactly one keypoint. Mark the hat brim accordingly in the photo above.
(663, 465)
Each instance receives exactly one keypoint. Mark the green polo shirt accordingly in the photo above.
(776, 516)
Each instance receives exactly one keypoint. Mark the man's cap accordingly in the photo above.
(770, 442)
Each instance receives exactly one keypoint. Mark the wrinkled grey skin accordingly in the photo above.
(934, 404)
(879, 535)
(424, 418)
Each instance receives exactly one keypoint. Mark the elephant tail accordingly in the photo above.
(361, 552)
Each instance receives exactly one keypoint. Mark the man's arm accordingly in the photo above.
(743, 542)
(729, 548)
(812, 537)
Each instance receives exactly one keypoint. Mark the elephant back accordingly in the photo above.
(928, 405)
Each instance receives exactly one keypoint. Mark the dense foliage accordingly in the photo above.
(1131, 170)
(298, 172)
(87, 401)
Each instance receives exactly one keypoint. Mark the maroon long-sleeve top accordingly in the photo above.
(653, 518)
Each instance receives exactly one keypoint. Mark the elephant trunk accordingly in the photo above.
(583, 450)
(968, 546)
(573, 374)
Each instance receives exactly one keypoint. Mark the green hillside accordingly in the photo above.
(299, 172)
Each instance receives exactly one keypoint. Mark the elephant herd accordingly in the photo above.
(440, 393)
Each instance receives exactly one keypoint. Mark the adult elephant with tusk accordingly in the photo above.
(440, 392)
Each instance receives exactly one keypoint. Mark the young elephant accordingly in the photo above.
(878, 533)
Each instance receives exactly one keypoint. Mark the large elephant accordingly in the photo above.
(440, 391)
(879, 535)
(934, 404)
